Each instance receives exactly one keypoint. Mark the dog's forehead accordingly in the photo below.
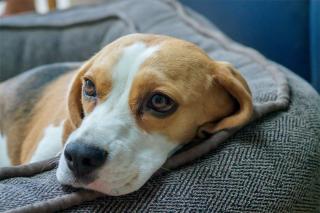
(171, 53)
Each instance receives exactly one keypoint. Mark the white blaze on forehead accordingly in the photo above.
(126, 69)
(115, 112)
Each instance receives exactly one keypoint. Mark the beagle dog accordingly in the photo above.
(118, 117)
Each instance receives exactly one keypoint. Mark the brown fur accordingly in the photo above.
(50, 109)
(19, 97)
(18, 6)
(211, 95)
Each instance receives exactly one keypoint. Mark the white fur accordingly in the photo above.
(50, 145)
(134, 155)
(4, 157)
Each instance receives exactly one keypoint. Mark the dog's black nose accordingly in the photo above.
(83, 159)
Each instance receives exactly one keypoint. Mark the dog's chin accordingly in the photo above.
(125, 187)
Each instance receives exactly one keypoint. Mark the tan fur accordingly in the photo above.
(50, 109)
(205, 100)
(211, 95)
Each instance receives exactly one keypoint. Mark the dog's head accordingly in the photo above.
(136, 101)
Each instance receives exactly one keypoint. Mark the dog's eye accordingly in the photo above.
(89, 88)
(161, 105)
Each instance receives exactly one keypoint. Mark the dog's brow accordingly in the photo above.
(127, 67)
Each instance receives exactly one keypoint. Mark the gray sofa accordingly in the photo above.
(271, 165)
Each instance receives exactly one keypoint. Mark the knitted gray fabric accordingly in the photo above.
(271, 165)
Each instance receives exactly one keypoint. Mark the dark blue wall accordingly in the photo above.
(278, 29)
(315, 42)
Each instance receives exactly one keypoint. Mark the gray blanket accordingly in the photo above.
(271, 165)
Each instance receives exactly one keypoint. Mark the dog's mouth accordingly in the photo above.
(121, 185)
(104, 181)
(114, 188)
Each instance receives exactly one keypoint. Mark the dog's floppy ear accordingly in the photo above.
(74, 105)
(232, 81)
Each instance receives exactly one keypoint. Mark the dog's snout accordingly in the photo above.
(83, 159)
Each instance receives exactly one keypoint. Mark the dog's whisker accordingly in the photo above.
(166, 169)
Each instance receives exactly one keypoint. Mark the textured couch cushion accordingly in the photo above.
(33, 40)
(272, 165)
